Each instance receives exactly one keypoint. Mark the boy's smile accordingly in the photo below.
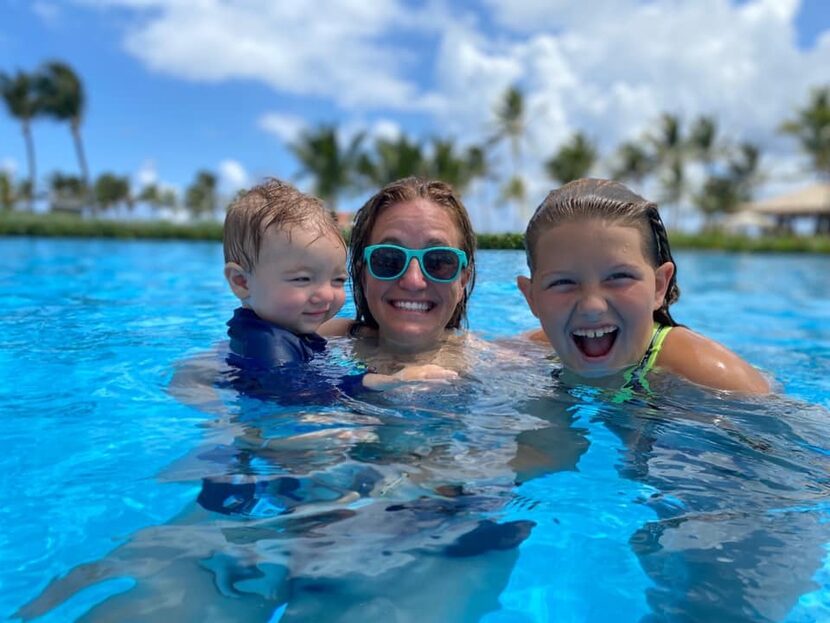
(594, 293)
(298, 281)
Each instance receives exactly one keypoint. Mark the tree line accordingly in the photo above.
(338, 166)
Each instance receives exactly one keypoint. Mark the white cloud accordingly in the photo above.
(146, 175)
(49, 12)
(9, 166)
(285, 127)
(232, 176)
(337, 49)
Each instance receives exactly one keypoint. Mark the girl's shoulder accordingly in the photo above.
(706, 362)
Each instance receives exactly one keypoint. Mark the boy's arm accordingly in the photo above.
(706, 362)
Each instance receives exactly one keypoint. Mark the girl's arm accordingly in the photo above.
(705, 362)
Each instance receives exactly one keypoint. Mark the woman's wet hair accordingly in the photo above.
(402, 191)
(610, 201)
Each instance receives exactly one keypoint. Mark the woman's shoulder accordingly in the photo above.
(704, 361)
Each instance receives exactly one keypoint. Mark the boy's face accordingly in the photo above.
(298, 281)
(594, 293)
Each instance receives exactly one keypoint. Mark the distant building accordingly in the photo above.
(811, 203)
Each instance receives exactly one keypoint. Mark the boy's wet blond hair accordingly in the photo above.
(271, 204)
(610, 201)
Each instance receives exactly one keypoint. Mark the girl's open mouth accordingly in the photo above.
(595, 343)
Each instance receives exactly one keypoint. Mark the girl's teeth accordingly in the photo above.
(412, 305)
(594, 332)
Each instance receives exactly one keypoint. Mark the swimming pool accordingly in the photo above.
(686, 507)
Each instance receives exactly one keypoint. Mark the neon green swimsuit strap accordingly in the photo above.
(636, 376)
(657, 339)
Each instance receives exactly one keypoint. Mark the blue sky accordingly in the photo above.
(176, 86)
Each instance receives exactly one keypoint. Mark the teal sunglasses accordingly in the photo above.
(389, 261)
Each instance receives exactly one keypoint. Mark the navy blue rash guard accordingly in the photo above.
(268, 361)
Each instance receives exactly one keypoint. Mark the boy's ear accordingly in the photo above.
(237, 279)
(526, 286)
(662, 277)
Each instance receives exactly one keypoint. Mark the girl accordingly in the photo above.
(602, 279)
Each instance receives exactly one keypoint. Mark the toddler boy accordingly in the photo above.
(285, 259)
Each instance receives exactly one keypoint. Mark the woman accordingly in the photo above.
(412, 265)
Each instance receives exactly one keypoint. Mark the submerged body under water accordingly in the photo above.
(511, 495)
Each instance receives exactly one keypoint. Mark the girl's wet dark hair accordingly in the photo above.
(402, 191)
(611, 201)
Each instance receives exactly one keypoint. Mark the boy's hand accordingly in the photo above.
(429, 372)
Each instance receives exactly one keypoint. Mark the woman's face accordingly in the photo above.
(412, 312)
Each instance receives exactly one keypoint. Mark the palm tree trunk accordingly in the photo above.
(30, 156)
(79, 152)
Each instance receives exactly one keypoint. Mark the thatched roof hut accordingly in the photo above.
(813, 201)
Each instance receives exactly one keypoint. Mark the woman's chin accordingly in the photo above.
(412, 336)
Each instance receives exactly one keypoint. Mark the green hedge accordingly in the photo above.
(69, 226)
(61, 225)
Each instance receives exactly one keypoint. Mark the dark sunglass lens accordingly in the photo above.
(441, 264)
(387, 263)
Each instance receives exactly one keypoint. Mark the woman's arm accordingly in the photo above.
(335, 327)
(705, 362)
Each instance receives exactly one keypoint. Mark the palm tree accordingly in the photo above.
(111, 189)
(67, 192)
(331, 164)
(23, 103)
(811, 127)
(392, 160)
(62, 96)
(511, 125)
(151, 195)
(702, 140)
(6, 191)
(573, 160)
(200, 196)
(724, 193)
(510, 122)
(633, 162)
(670, 155)
(456, 169)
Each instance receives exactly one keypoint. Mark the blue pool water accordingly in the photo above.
(689, 506)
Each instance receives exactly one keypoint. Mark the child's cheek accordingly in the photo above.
(339, 300)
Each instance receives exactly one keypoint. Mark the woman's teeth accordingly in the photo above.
(421, 306)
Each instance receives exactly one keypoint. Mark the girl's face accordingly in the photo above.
(412, 312)
(594, 293)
